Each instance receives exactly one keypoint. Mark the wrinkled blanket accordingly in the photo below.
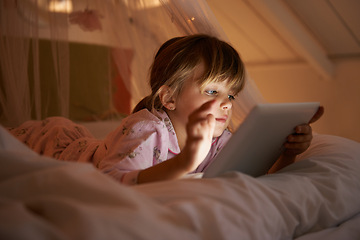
(43, 198)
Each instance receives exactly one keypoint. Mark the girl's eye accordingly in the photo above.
(231, 97)
(211, 92)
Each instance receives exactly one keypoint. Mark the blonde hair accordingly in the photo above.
(177, 59)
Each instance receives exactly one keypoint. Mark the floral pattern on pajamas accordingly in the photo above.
(59, 138)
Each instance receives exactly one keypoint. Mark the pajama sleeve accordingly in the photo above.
(141, 141)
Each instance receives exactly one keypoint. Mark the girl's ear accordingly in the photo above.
(166, 97)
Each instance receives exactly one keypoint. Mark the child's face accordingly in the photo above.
(192, 97)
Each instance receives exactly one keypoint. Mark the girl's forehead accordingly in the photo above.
(223, 85)
(210, 83)
(198, 78)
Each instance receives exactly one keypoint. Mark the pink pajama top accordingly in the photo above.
(142, 140)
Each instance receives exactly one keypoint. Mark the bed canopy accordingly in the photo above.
(89, 59)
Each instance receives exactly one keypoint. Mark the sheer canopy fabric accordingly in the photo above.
(130, 30)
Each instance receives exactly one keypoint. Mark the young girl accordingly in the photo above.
(181, 126)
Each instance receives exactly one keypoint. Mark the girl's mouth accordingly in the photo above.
(221, 120)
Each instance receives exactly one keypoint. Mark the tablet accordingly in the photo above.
(258, 141)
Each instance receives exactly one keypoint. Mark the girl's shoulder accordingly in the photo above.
(144, 126)
(144, 116)
(146, 122)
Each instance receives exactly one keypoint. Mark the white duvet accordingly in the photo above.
(317, 197)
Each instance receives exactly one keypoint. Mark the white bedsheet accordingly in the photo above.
(346, 230)
(42, 198)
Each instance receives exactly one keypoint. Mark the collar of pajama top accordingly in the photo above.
(173, 147)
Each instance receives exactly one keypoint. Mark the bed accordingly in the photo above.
(42, 198)
(315, 198)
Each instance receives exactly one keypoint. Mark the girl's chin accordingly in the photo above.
(218, 132)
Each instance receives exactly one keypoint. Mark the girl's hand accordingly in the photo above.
(300, 141)
(297, 143)
(200, 130)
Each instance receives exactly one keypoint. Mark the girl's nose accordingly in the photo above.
(226, 103)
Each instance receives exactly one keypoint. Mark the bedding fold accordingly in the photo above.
(43, 198)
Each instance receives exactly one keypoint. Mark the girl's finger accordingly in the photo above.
(303, 129)
(297, 146)
(299, 138)
(201, 113)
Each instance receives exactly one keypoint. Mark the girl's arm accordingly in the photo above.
(200, 130)
(283, 161)
(173, 168)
